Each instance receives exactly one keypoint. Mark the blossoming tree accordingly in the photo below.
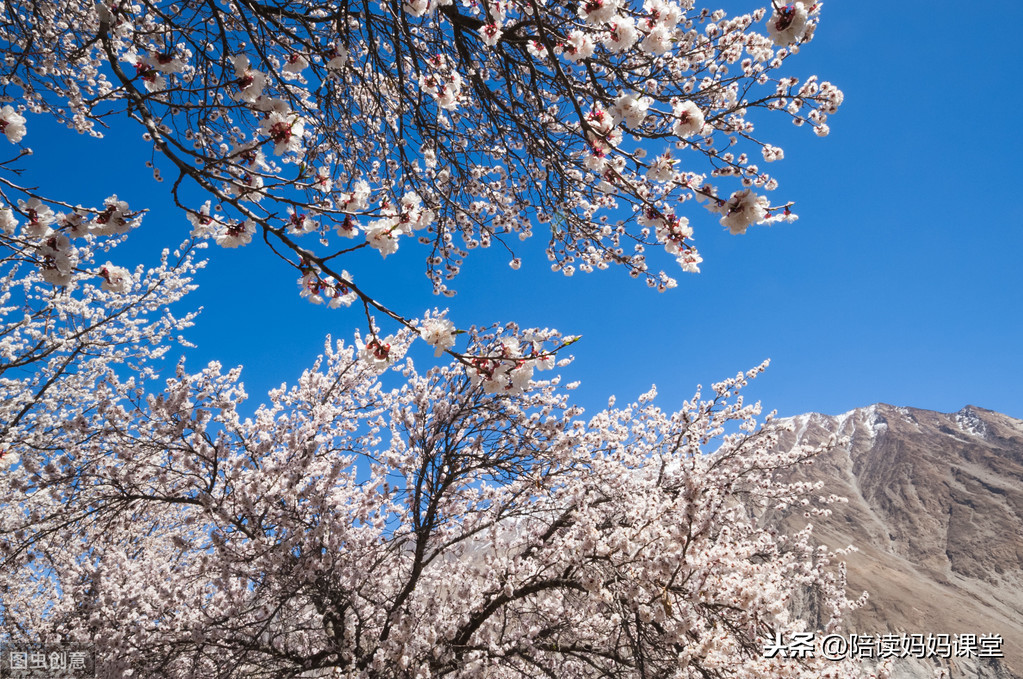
(468, 522)
(434, 530)
(56, 344)
(324, 128)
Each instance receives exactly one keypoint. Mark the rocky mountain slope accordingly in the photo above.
(935, 508)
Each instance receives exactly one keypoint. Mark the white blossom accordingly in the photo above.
(116, 279)
(622, 34)
(294, 64)
(788, 24)
(439, 333)
(579, 46)
(39, 216)
(378, 353)
(598, 11)
(8, 222)
(12, 124)
(57, 259)
(662, 169)
(236, 234)
(382, 235)
(663, 13)
(285, 130)
(743, 209)
(658, 40)
(250, 82)
(491, 34)
(417, 8)
(337, 57)
(153, 79)
(203, 223)
(689, 119)
(116, 218)
(631, 110)
(8, 457)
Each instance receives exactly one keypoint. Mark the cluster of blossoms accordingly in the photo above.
(524, 117)
(443, 83)
(509, 369)
(236, 234)
(674, 233)
(50, 236)
(227, 233)
(56, 348)
(319, 288)
(115, 278)
(300, 223)
(46, 236)
(405, 218)
(689, 119)
(742, 209)
(378, 353)
(284, 129)
(57, 259)
(457, 125)
(154, 67)
(504, 365)
(439, 333)
(248, 81)
(418, 8)
(631, 110)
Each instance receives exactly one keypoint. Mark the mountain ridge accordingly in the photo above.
(935, 509)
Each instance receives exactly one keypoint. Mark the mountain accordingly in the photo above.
(935, 508)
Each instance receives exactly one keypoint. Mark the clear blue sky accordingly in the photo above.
(900, 282)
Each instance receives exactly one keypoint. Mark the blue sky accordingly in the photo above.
(899, 283)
